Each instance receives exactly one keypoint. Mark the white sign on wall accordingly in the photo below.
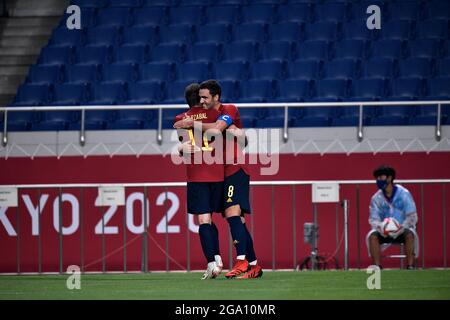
(111, 196)
(325, 192)
(8, 197)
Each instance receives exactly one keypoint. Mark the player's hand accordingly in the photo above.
(184, 124)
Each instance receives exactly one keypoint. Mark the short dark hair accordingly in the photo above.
(213, 86)
(384, 170)
(191, 94)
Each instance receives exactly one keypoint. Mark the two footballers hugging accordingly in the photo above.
(221, 186)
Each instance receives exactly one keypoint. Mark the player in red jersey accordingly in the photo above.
(236, 183)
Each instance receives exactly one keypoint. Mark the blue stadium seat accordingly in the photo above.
(229, 2)
(368, 89)
(156, 3)
(293, 90)
(56, 56)
(427, 116)
(90, 3)
(438, 9)
(271, 118)
(256, 32)
(388, 48)
(42, 74)
(179, 33)
(304, 69)
(150, 16)
(349, 116)
(416, 68)
(295, 13)
(240, 51)
(194, 2)
(69, 94)
(341, 69)
(114, 17)
(193, 71)
(358, 11)
(222, 14)
(157, 71)
(204, 52)
(131, 53)
(81, 74)
(54, 120)
(170, 52)
(95, 120)
(191, 15)
(234, 70)
(258, 13)
(143, 35)
(336, 12)
(119, 73)
(277, 50)
(33, 95)
(214, 33)
(268, 70)
(313, 50)
(433, 29)
(405, 10)
(357, 30)
(106, 94)
(64, 37)
(169, 115)
(288, 31)
(229, 91)
(134, 120)
(315, 117)
(249, 116)
(94, 55)
(381, 68)
(443, 67)
(107, 35)
(88, 18)
(256, 91)
(331, 90)
(425, 48)
(149, 92)
(351, 49)
(393, 115)
(174, 93)
(125, 3)
(398, 30)
(439, 88)
(22, 121)
(406, 89)
(323, 30)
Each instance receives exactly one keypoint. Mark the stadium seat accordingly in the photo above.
(443, 67)
(433, 29)
(233, 70)
(427, 116)
(358, 11)
(94, 55)
(393, 115)
(229, 91)
(397, 30)
(222, 14)
(315, 117)
(204, 52)
(304, 69)
(388, 48)
(313, 50)
(156, 3)
(54, 120)
(88, 20)
(149, 92)
(143, 35)
(341, 69)
(105, 35)
(174, 92)
(322, 30)
(330, 90)
(95, 120)
(131, 53)
(214, 33)
(193, 71)
(69, 94)
(114, 17)
(176, 34)
(249, 116)
(229, 2)
(287, 31)
(368, 89)
(438, 88)
(119, 73)
(134, 120)
(350, 49)
(277, 50)
(106, 94)
(240, 51)
(349, 116)
(56, 56)
(256, 91)
(416, 68)
(298, 13)
(271, 118)
(42, 74)
(81, 74)
(382, 68)
(191, 15)
(22, 121)
(62, 37)
(335, 12)
(438, 9)
(405, 10)
(150, 16)
(33, 95)
(256, 32)
(157, 71)
(90, 3)
(357, 30)
(171, 52)
(268, 70)
(425, 48)
(406, 89)
(125, 3)
(293, 90)
(258, 13)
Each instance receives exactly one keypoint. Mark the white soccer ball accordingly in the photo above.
(391, 227)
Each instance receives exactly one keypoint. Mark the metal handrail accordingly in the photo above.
(161, 107)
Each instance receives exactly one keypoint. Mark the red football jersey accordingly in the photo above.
(233, 149)
(201, 172)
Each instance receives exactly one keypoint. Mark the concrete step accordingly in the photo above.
(12, 79)
(30, 21)
(20, 51)
(13, 70)
(30, 41)
(27, 31)
(6, 98)
(17, 60)
(32, 8)
(6, 88)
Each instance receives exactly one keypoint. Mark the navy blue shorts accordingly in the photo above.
(204, 197)
(237, 191)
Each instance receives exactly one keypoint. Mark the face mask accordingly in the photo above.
(381, 184)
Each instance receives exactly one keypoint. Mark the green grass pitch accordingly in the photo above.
(395, 284)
